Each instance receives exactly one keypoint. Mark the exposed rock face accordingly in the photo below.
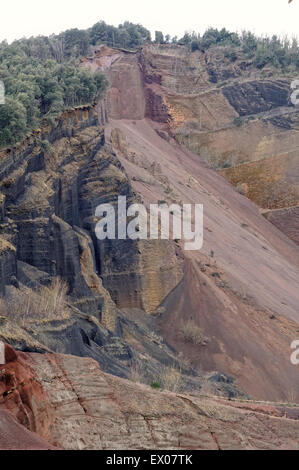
(246, 122)
(50, 193)
(50, 201)
(23, 396)
(156, 269)
(236, 274)
(231, 114)
(105, 417)
(273, 183)
(74, 405)
(43, 199)
(246, 117)
(258, 96)
(240, 292)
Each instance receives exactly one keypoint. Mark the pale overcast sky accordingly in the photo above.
(19, 18)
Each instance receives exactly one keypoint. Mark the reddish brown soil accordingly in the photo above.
(250, 312)
(14, 436)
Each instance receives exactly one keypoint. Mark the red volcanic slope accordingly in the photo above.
(258, 264)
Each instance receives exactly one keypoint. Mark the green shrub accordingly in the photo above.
(155, 385)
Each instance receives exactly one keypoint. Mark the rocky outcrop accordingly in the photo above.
(74, 405)
(258, 96)
(156, 109)
(42, 197)
(272, 183)
(225, 110)
(156, 269)
(51, 185)
(23, 410)
(236, 117)
(110, 413)
(50, 205)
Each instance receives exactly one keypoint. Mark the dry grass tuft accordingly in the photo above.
(192, 333)
(136, 374)
(171, 379)
(47, 304)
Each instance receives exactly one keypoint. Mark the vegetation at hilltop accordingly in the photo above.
(127, 35)
(42, 77)
(35, 90)
(280, 53)
(38, 87)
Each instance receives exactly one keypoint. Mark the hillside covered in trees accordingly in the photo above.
(280, 53)
(42, 77)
